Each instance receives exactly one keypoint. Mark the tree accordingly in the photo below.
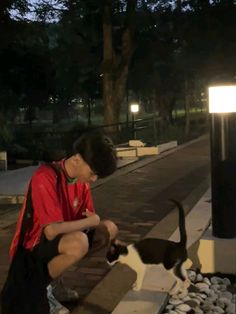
(116, 59)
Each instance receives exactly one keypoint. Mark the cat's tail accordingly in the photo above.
(182, 229)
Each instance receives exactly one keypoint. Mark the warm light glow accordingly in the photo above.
(222, 99)
(134, 108)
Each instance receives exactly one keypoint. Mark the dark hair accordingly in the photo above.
(98, 152)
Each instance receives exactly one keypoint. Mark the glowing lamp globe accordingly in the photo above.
(222, 99)
(134, 108)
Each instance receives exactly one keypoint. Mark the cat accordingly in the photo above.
(150, 251)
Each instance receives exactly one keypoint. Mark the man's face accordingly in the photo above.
(84, 173)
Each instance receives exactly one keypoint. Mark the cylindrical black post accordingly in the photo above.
(133, 126)
(223, 174)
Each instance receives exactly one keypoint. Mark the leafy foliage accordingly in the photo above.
(52, 56)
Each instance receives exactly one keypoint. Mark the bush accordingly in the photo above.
(6, 136)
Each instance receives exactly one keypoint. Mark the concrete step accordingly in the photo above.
(138, 149)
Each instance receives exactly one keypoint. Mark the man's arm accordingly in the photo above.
(52, 230)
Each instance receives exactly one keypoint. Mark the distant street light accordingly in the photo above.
(222, 107)
(134, 108)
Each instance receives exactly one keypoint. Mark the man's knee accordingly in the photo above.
(75, 243)
(111, 228)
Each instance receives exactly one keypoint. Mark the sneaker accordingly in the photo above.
(55, 306)
(62, 293)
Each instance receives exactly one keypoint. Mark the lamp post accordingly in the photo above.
(222, 107)
(134, 108)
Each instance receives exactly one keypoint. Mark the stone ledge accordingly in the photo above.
(11, 199)
(137, 148)
(107, 294)
(126, 152)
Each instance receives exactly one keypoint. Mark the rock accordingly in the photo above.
(170, 307)
(180, 312)
(191, 275)
(212, 293)
(192, 294)
(202, 295)
(207, 281)
(207, 291)
(192, 288)
(202, 285)
(187, 298)
(225, 301)
(212, 299)
(226, 294)
(218, 309)
(196, 300)
(216, 280)
(193, 304)
(198, 311)
(199, 278)
(223, 287)
(215, 287)
(199, 298)
(207, 306)
(231, 309)
(174, 301)
(226, 281)
(183, 307)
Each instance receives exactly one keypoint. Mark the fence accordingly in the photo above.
(50, 144)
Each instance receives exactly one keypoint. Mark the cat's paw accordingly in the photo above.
(175, 289)
(186, 284)
(136, 287)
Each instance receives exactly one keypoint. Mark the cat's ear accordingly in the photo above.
(112, 248)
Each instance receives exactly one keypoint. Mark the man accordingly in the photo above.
(64, 223)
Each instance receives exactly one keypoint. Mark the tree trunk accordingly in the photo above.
(115, 66)
(187, 110)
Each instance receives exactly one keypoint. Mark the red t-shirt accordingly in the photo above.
(54, 199)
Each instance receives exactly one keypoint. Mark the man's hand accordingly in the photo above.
(92, 218)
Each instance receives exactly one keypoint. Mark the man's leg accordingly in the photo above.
(72, 248)
(111, 228)
(101, 236)
(105, 232)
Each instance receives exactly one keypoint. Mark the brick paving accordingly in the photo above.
(136, 201)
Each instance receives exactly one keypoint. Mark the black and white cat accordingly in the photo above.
(150, 251)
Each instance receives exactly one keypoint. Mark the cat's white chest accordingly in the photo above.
(133, 260)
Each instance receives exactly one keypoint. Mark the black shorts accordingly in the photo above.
(46, 250)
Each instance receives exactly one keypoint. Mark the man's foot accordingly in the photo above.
(55, 306)
(62, 293)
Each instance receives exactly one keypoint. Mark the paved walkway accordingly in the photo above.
(136, 199)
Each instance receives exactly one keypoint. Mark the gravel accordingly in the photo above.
(206, 295)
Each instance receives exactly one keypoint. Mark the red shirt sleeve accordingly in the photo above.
(45, 198)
